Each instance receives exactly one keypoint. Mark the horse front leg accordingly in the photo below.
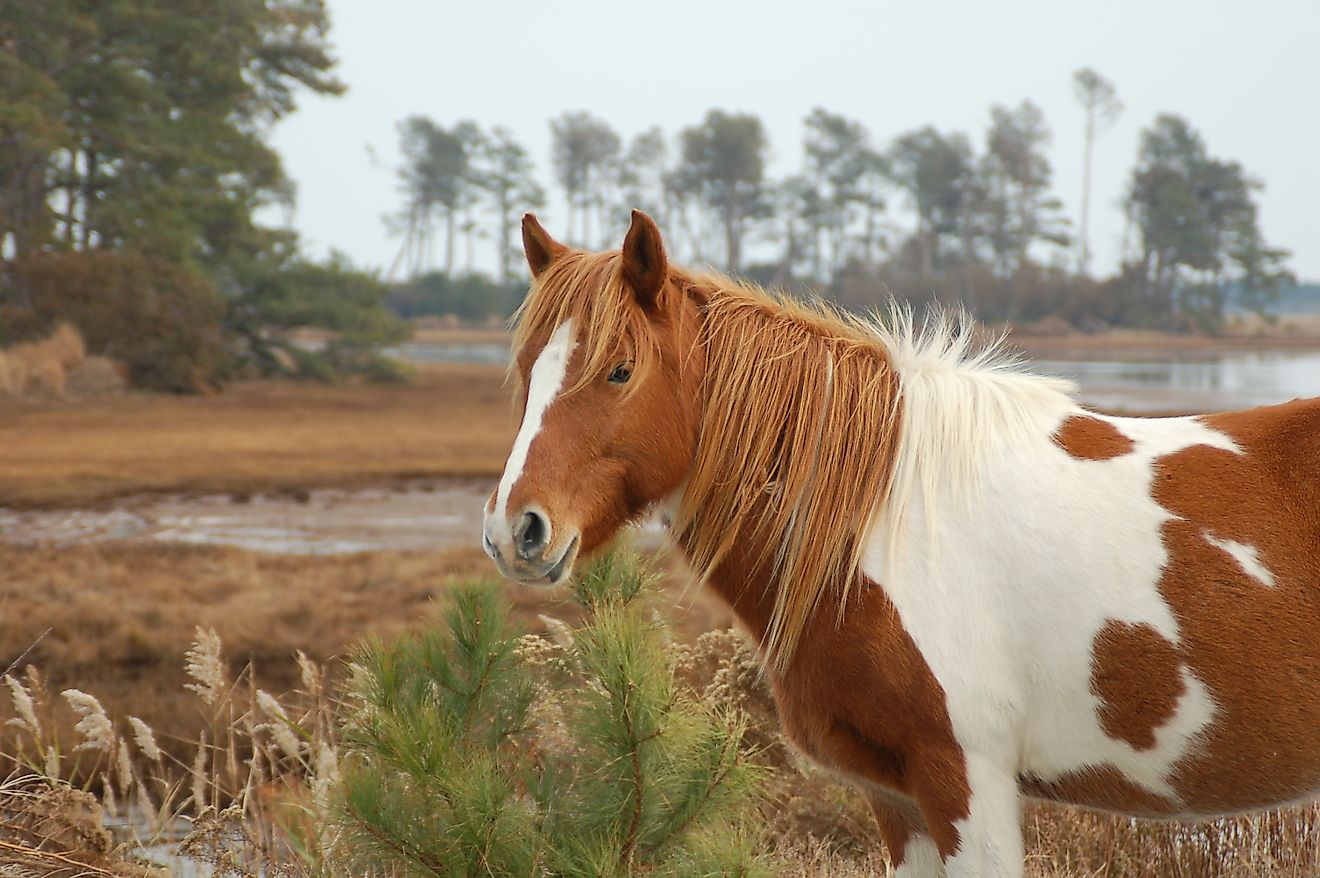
(972, 809)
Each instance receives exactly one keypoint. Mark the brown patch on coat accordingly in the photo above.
(1102, 787)
(1135, 674)
(1088, 438)
(1256, 649)
(899, 820)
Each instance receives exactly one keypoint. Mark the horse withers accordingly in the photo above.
(966, 588)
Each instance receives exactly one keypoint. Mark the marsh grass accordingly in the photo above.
(252, 792)
(242, 802)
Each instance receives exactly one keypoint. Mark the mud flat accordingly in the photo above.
(329, 521)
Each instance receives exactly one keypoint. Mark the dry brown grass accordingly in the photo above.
(116, 618)
(42, 367)
(54, 831)
(113, 618)
(257, 436)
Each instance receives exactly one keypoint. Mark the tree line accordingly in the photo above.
(987, 229)
(134, 157)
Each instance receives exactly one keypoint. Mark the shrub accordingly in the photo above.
(466, 296)
(159, 318)
(269, 300)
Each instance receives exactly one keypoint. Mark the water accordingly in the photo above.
(321, 522)
(1192, 383)
(1176, 382)
(158, 845)
(429, 352)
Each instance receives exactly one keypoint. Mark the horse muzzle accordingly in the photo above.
(527, 551)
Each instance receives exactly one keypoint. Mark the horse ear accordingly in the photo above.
(540, 248)
(644, 266)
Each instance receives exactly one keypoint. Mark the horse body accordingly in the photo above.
(966, 588)
(1067, 635)
(1144, 627)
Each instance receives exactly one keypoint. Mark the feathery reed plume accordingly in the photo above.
(326, 776)
(123, 767)
(203, 664)
(311, 674)
(97, 731)
(200, 776)
(145, 739)
(558, 630)
(24, 707)
(109, 801)
(280, 727)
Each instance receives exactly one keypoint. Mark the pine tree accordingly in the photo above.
(475, 752)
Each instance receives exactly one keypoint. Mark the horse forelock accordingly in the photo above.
(587, 288)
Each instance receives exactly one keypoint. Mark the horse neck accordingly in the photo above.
(745, 573)
(746, 586)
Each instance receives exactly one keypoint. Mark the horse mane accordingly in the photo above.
(963, 394)
(812, 422)
(799, 424)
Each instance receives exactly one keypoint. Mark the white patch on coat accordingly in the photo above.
(1004, 586)
(1246, 557)
(543, 386)
(956, 398)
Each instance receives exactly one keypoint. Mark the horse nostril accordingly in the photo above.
(531, 535)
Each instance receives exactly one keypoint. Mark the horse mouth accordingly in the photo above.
(556, 573)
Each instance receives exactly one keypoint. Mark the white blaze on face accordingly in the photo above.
(543, 387)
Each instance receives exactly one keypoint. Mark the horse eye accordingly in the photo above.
(621, 373)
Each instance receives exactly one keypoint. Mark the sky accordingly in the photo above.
(1245, 74)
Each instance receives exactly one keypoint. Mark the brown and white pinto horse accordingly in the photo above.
(966, 588)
